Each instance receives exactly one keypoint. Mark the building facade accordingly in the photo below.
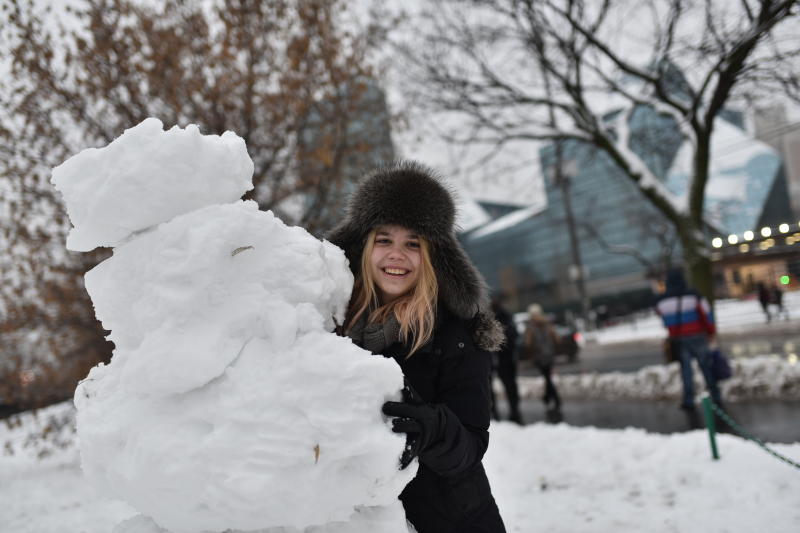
(624, 242)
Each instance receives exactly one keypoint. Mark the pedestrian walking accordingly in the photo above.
(687, 316)
(419, 300)
(541, 344)
(506, 363)
(776, 297)
(764, 298)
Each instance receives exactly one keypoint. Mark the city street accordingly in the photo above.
(782, 339)
(769, 420)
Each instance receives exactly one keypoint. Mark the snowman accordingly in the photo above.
(228, 404)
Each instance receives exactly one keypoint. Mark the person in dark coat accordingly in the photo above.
(506, 367)
(776, 297)
(419, 300)
(764, 298)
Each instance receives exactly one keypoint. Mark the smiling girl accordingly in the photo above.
(419, 300)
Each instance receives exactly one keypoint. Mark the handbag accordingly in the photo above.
(671, 353)
(720, 366)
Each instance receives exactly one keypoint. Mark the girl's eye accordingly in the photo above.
(382, 241)
(413, 244)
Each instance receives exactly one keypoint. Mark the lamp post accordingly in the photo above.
(563, 172)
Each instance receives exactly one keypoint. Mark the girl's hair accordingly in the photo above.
(415, 310)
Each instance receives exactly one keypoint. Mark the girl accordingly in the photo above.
(419, 300)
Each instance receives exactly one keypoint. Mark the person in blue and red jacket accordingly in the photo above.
(688, 317)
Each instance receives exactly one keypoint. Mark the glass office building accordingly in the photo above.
(623, 240)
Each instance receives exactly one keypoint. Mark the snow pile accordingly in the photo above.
(562, 479)
(557, 479)
(141, 179)
(753, 378)
(228, 404)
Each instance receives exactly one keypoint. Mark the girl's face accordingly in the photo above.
(395, 261)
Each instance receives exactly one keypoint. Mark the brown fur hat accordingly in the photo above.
(412, 195)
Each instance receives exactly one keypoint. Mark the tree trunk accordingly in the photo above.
(697, 261)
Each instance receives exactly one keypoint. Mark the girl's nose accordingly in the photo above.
(396, 251)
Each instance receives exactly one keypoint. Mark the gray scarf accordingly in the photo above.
(375, 337)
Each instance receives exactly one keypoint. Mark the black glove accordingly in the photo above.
(422, 423)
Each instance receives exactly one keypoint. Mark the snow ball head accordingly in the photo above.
(148, 176)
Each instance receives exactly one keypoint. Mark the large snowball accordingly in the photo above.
(228, 404)
(208, 282)
(147, 176)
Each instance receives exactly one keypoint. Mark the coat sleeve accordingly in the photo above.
(705, 316)
(464, 403)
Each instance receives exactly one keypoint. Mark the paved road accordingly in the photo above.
(631, 356)
(771, 421)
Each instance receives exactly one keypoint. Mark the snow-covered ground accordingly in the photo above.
(733, 316)
(545, 478)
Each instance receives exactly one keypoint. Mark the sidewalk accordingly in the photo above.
(769, 420)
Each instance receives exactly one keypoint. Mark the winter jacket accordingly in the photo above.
(451, 492)
(684, 312)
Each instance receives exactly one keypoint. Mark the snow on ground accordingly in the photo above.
(762, 377)
(545, 478)
(733, 316)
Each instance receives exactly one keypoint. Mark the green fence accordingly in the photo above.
(710, 408)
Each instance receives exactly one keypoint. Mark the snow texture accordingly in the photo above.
(228, 403)
(142, 179)
(557, 479)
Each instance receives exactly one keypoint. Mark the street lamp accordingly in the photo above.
(562, 172)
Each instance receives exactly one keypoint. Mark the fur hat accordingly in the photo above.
(411, 195)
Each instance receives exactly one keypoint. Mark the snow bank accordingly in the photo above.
(562, 479)
(228, 404)
(762, 377)
(147, 176)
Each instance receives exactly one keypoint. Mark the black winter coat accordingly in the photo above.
(451, 493)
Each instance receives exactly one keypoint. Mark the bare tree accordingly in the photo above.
(574, 70)
(259, 68)
(649, 230)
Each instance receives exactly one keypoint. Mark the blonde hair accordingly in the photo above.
(415, 310)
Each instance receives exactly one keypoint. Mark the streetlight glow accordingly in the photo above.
(766, 231)
(733, 239)
(716, 242)
(783, 228)
(748, 235)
